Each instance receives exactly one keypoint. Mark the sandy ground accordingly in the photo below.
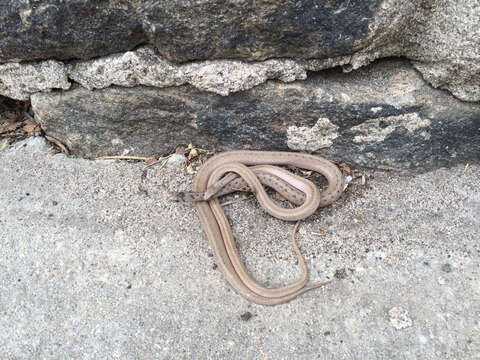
(97, 263)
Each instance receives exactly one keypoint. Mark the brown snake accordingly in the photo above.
(209, 185)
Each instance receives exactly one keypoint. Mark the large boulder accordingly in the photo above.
(382, 116)
(441, 36)
(185, 30)
(141, 77)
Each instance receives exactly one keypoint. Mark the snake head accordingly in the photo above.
(176, 196)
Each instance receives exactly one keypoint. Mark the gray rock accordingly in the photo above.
(33, 147)
(382, 116)
(400, 318)
(442, 37)
(189, 30)
(140, 120)
(19, 81)
(144, 67)
(446, 48)
(65, 29)
(176, 160)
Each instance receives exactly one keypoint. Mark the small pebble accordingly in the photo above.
(340, 274)
(399, 318)
(177, 160)
(246, 316)
(447, 268)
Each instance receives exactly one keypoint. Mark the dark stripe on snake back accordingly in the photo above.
(286, 190)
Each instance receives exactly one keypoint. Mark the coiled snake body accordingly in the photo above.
(220, 175)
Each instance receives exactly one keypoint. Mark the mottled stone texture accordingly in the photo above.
(259, 29)
(183, 30)
(65, 29)
(382, 116)
(441, 37)
(144, 67)
(19, 80)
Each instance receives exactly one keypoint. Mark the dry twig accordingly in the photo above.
(122, 157)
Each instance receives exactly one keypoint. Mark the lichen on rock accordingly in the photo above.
(313, 138)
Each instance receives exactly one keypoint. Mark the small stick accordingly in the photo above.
(165, 160)
(122, 157)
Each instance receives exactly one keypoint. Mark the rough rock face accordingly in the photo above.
(144, 67)
(441, 36)
(18, 81)
(141, 77)
(183, 30)
(383, 115)
(65, 29)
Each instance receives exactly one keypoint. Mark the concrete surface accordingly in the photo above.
(96, 263)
